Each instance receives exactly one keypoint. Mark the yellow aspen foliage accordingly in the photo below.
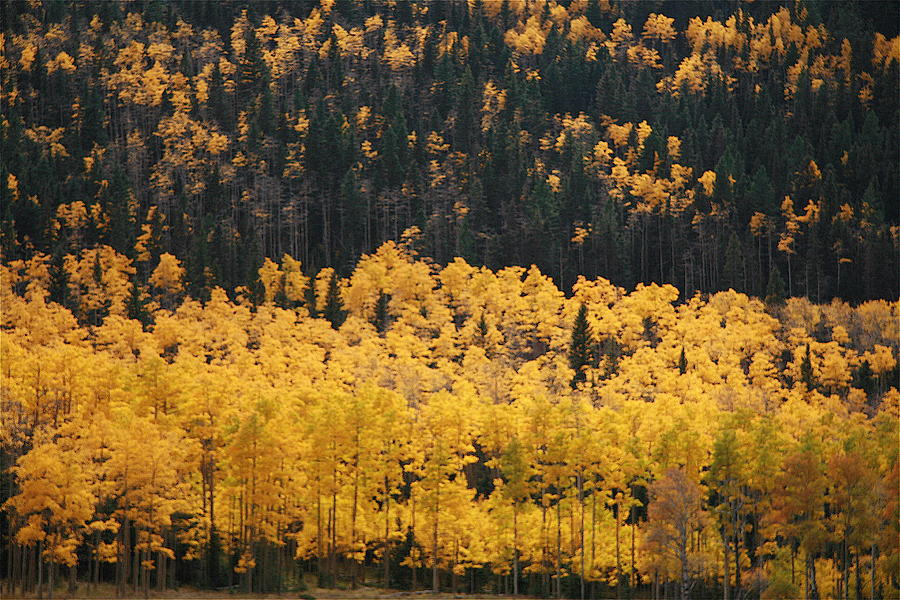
(835, 370)
(442, 426)
(493, 102)
(62, 62)
(48, 139)
(294, 281)
(99, 278)
(708, 181)
(34, 273)
(643, 132)
(271, 278)
(580, 234)
(885, 51)
(619, 134)
(693, 74)
(26, 59)
(528, 37)
(658, 27)
(619, 172)
(55, 499)
(643, 56)
(397, 55)
(709, 32)
(168, 275)
(602, 152)
(673, 147)
(580, 28)
(12, 185)
(204, 408)
(881, 360)
(620, 37)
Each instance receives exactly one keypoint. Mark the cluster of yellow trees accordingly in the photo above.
(442, 431)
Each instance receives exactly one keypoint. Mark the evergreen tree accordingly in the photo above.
(382, 317)
(775, 288)
(309, 297)
(334, 309)
(732, 275)
(806, 370)
(581, 348)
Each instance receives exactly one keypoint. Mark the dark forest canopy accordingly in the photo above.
(708, 144)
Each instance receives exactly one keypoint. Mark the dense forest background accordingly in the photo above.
(436, 294)
(711, 145)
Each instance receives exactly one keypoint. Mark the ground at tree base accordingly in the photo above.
(107, 592)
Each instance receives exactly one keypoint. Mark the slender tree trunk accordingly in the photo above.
(872, 572)
(135, 561)
(618, 552)
(545, 584)
(632, 574)
(10, 561)
(581, 533)
(387, 533)
(814, 586)
(412, 501)
(40, 570)
(727, 575)
(858, 579)
(793, 569)
(333, 538)
(593, 528)
(515, 549)
(738, 531)
(213, 565)
(354, 563)
(558, 549)
(453, 578)
(15, 571)
(845, 571)
(320, 554)
(435, 581)
(27, 554)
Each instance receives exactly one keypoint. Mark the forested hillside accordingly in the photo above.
(449, 428)
(580, 299)
(710, 145)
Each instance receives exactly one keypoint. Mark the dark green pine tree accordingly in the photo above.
(8, 240)
(137, 304)
(309, 297)
(806, 370)
(334, 308)
(393, 159)
(96, 316)
(594, 14)
(281, 299)
(581, 351)
(382, 317)
(775, 288)
(612, 352)
(59, 281)
(732, 276)
(682, 362)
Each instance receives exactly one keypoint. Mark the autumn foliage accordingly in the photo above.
(706, 145)
(439, 436)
